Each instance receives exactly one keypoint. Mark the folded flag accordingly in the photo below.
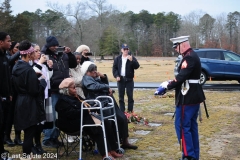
(160, 91)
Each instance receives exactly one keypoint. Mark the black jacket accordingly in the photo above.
(5, 80)
(190, 68)
(130, 67)
(69, 112)
(5, 84)
(61, 64)
(28, 88)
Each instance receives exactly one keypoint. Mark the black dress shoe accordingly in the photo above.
(49, 143)
(188, 158)
(9, 142)
(129, 146)
(39, 149)
(18, 142)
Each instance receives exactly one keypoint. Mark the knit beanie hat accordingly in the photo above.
(51, 41)
(85, 66)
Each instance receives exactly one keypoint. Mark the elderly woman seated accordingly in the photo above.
(93, 86)
(69, 112)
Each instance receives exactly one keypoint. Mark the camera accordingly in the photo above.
(60, 49)
(88, 54)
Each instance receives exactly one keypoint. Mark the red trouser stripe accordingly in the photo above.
(183, 138)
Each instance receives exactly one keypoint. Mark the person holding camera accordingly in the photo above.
(62, 59)
(123, 70)
(84, 50)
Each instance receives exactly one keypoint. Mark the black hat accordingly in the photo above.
(51, 41)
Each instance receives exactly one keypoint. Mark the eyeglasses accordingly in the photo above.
(125, 49)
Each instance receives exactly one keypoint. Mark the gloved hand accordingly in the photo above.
(164, 84)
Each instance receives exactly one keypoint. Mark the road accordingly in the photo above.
(155, 85)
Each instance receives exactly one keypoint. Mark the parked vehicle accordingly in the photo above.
(217, 64)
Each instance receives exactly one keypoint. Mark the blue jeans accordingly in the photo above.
(53, 133)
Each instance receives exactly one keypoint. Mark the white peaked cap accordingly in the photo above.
(179, 39)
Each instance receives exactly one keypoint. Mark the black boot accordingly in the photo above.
(39, 149)
(8, 141)
(17, 139)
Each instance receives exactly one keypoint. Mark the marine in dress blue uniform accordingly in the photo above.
(189, 94)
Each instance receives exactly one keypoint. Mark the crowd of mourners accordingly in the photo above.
(42, 84)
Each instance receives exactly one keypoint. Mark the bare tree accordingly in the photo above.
(77, 15)
(190, 26)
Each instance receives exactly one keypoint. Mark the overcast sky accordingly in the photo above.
(182, 7)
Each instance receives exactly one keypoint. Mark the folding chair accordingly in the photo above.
(68, 148)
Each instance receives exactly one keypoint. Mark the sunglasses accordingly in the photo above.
(125, 49)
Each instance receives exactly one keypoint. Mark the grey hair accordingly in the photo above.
(91, 68)
(64, 91)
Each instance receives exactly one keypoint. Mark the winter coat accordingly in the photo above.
(5, 84)
(5, 80)
(61, 64)
(69, 112)
(130, 67)
(94, 87)
(28, 112)
(76, 74)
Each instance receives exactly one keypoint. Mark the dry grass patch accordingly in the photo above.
(219, 135)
